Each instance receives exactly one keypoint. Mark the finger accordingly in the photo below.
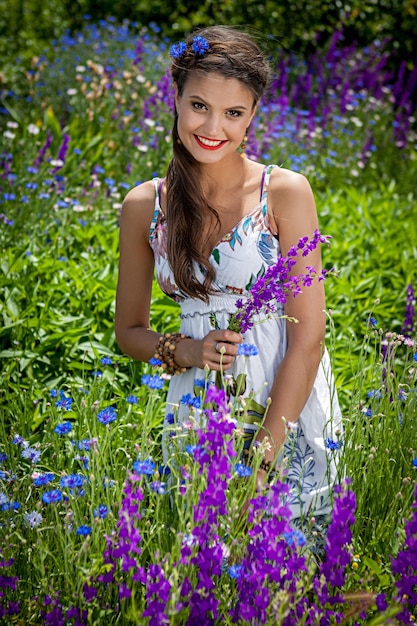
(231, 336)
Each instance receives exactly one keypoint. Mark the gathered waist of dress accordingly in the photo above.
(218, 303)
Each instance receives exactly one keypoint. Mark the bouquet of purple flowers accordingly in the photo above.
(271, 291)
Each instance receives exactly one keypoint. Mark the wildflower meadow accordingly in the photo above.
(96, 527)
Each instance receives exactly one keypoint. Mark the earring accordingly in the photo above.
(243, 145)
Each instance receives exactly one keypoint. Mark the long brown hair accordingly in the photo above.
(232, 54)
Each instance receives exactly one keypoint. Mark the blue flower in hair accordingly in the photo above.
(177, 49)
(200, 45)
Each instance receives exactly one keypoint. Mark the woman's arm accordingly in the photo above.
(136, 268)
(292, 204)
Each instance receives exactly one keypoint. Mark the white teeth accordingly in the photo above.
(207, 142)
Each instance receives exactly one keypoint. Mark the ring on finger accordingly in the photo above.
(216, 347)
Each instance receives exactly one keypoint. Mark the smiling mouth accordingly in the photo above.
(209, 144)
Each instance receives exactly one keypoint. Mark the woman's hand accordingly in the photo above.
(217, 350)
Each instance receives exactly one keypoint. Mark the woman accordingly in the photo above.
(210, 228)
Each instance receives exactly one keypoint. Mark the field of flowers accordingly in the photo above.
(94, 527)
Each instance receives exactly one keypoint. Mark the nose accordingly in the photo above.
(212, 126)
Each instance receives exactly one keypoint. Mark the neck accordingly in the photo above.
(222, 177)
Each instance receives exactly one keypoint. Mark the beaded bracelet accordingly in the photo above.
(264, 464)
(165, 351)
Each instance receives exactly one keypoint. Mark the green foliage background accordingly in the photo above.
(300, 25)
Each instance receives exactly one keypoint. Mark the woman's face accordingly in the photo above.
(213, 115)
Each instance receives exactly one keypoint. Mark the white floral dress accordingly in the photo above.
(239, 259)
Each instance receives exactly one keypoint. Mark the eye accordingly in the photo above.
(234, 113)
(198, 106)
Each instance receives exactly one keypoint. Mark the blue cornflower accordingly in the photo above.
(31, 454)
(106, 360)
(18, 440)
(84, 530)
(63, 429)
(177, 49)
(3, 457)
(243, 470)
(402, 395)
(33, 519)
(96, 374)
(51, 497)
(53, 393)
(333, 445)
(101, 511)
(295, 537)
(157, 487)
(367, 412)
(247, 349)
(235, 571)
(415, 357)
(199, 382)
(64, 403)
(372, 322)
(107, 415)
(193, 448)
(200, 45)
(10, 505)
(155, 362)
(132, 399)
(144, 467)
(170, 418)
(153, 382)
(415, 462)
(190, 400)
(43, 479)
(71, 481)
(164, 470)
(375, 393)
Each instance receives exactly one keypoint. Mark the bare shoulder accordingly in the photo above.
(140, 198)
(292, 184)
(290, 195)
(138, 207)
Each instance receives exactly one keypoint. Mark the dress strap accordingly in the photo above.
(266, 175)
(157, 183)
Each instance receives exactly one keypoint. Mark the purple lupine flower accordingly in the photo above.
(124, 546)
(339, 536)
(214, 454)
(404, 567)
(270, 292)
(408, 325)
(43, 150)
(157, 595)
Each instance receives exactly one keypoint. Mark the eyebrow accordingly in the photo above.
(234, 108)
